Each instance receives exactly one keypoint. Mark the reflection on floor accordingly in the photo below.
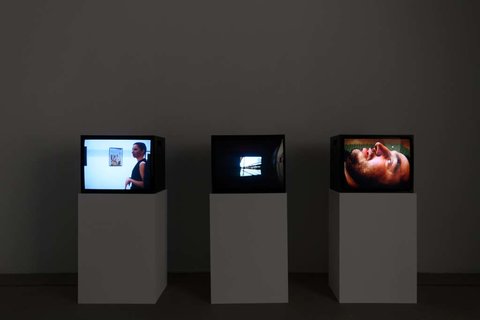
(187, 296)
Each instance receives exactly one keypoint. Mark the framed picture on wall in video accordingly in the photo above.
(115, 157)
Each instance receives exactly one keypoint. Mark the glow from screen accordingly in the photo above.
(250, 166)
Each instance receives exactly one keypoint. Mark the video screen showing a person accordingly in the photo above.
(377, 164)
(116, 164)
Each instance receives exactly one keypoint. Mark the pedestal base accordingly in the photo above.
(373, 247)
(248, 248)
(122, 247)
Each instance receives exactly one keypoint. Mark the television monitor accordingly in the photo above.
(248, 163)
(122, 164)
(371, 163)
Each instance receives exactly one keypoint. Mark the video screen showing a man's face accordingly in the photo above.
(377, 163)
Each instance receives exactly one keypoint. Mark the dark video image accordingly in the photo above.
(248, 164)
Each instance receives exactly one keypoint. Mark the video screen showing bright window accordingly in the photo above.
(248, 164)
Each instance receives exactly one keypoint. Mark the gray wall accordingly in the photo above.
(189, 69)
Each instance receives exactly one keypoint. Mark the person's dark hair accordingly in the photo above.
(142, 146)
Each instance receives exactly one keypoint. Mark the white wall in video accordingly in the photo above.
(109, 163)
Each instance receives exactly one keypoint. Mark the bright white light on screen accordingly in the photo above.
(250, 166)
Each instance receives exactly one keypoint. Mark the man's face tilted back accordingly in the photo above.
(376, 167)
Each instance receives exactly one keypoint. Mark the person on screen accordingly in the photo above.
(377, 168)
(136, 181)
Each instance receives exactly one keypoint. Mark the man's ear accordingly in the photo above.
(349, 179)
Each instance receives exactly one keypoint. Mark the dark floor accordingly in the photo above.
(187, 296)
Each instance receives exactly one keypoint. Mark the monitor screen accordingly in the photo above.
(126, 164)
(248, 164)
(374, 163)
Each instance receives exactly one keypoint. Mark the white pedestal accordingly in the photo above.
(373, 247)
(122, 247)
(248, 248)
